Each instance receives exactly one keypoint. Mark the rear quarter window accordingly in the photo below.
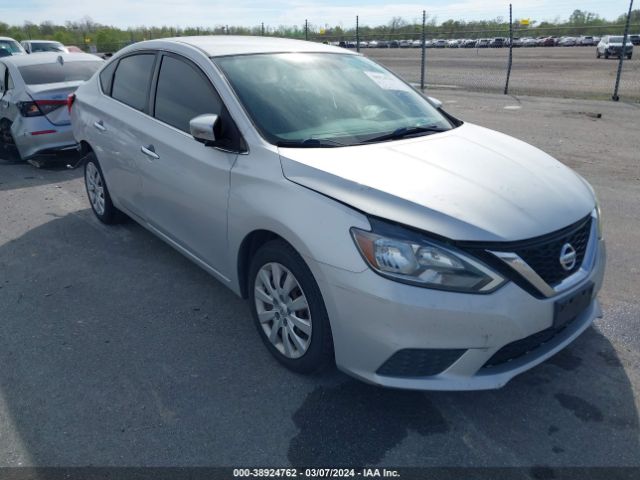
(106, 77)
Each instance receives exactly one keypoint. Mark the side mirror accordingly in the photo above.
(205, 128)
(435, 102)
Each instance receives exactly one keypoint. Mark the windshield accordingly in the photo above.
(56, 73)
(616, 40)
(342, 99)
(11, 46)
(46, 47)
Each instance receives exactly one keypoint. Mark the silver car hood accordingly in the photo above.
(469, 183)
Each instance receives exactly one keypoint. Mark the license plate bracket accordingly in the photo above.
(567, 309)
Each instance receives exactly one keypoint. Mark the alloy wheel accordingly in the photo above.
(283, 310)
(95, 187)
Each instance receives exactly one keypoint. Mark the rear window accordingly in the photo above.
(46, 47)
(56, 73)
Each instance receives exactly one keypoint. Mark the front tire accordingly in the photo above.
(288, 309)
(98, 192)
(597, 53)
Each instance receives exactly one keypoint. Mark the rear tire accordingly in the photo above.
(98, 193)
(288, 309)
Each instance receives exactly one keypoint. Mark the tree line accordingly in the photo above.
(86, 33)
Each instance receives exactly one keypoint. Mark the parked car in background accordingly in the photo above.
(516, 42)
(405, 43)
(33, 105)
(416, 44)
(611, 46)
(373, 44)
(586, 41)
(482, 43)
(635, 38)
(11, 47)
(548, 42)
(38, 46)
(458, 257)
(74, 49)
(440, 44)
(529, 42)
(568, 42)
(469, 43)
(499, 42)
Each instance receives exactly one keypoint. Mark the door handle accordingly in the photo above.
(150, 152)
(99, 125)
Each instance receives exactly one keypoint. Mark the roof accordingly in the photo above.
(220, 45)
(49, 57)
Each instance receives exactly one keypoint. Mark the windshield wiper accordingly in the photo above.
(310, 143)
(404, 132)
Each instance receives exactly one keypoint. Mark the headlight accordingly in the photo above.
(422, 262)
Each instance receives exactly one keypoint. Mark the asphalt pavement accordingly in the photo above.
(117, 350)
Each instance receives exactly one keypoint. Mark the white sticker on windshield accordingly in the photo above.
(388, 82)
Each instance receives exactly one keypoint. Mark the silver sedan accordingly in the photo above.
(365, 225)
(34, 118)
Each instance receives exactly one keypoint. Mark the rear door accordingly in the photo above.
(8, 94)
(185, 183)
(117, 121)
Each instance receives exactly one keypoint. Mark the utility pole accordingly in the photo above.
(615, 96)
(506, 85)
(424, 40)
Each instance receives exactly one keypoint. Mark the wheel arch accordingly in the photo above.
(248, 247)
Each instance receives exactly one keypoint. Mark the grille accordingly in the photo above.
(544, 257)
(419, 362)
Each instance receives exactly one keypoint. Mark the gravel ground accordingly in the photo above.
(116, 350)
(572, 72)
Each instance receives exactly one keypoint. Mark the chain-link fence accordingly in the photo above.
(511, 54)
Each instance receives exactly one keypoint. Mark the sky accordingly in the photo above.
(210, 13)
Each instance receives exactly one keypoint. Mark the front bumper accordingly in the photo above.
(373, 318)
(58, 137)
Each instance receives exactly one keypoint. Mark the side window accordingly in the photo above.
(3, 72)
(131, 80)
(10, 85)
(106, 77)
(183, 92)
